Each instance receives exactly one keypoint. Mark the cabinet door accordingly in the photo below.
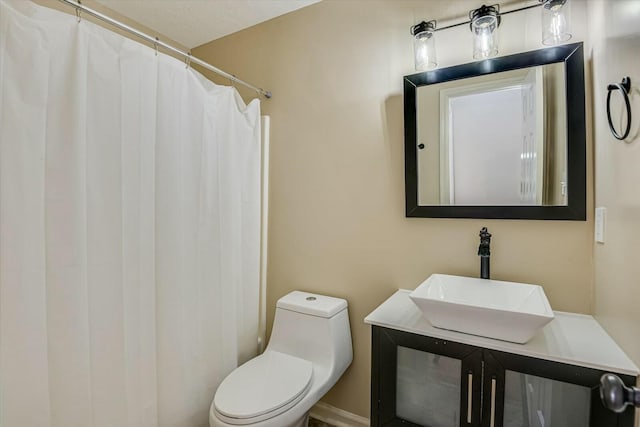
(423, 381)
(521, 391)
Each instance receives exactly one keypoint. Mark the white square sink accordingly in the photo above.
(506, 311)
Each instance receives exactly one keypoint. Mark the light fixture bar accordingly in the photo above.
(468, 21)
(521, 9)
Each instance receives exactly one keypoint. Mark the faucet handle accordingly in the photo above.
(484, 234)
(485, 242)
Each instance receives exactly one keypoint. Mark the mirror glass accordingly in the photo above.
(499, 138)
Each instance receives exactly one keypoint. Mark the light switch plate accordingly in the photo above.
(601, 217)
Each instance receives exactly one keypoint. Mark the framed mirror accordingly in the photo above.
(499, 138)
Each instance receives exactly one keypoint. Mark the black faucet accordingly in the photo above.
(484, 251)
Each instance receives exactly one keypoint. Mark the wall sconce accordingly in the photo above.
(484, 26)
(556, 19)
(424, 45)
(484, 23)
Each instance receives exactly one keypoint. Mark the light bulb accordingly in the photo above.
(558, 25)
(555, 22)
(424, 46)
(484, 26)
(485, 42)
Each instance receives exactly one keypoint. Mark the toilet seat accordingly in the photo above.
(262, 388)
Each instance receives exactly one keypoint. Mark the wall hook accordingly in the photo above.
(624, 87)
(155, 46)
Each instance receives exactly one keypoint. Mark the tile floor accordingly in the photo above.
(316, 423)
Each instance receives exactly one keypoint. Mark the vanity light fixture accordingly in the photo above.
(484, 22)
(424, 45)
(555, 21)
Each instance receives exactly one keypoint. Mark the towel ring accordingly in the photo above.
(625, 88)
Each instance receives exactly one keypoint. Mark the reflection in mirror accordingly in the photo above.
(497, 139)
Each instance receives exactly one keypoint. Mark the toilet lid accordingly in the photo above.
(263, 385)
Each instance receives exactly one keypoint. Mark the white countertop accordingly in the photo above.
(576, 339)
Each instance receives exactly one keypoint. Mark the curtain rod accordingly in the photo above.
(156, 42)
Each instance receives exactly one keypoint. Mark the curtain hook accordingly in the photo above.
(155, 45)
(78, 11)
(187, 60)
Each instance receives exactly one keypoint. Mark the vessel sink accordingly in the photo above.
(507, 311)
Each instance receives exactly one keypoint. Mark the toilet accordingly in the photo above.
(309, 350)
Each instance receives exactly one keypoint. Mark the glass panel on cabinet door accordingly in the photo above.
(428, 388)
(531, 401)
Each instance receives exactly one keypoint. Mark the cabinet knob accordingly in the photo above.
(615, 395)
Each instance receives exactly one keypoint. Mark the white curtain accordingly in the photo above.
(129, 228)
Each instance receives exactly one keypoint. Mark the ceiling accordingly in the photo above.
(195, 22)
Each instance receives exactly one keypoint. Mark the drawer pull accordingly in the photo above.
(493, 402)
(469, 396)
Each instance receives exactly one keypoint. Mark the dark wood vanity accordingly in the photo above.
(424, 376)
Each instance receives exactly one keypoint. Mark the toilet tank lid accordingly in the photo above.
(313, 304)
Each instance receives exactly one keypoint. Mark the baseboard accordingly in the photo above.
(337, 417)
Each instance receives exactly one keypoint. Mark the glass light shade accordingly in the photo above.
(556, 22)
(485, 36)
(424, 50)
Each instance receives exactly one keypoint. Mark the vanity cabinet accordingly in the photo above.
(423, 376)
(424, 381)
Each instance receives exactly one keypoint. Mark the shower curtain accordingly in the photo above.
(129, 228)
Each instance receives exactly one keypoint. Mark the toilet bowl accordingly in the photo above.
(309, 350)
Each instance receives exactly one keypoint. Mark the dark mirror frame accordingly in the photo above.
(573, 58)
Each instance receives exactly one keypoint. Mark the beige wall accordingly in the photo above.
(337, 223)
(617, 261)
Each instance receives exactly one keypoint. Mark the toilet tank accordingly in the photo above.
(313, 327)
